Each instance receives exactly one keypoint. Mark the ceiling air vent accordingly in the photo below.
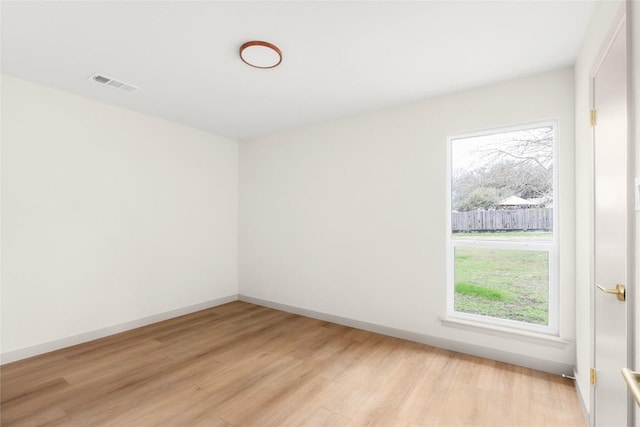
(98, 78)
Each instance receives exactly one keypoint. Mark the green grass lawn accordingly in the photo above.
(508, 284)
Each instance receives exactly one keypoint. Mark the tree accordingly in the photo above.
(527, 148)
(512, 163)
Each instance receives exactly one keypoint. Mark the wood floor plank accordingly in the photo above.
(240, 364)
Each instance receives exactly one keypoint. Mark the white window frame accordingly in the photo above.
(552, 247)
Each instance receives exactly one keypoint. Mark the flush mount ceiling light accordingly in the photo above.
(260, 54)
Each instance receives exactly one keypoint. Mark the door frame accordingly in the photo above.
(620, 18)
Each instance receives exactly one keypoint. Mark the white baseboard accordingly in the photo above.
(23, 353)
(458, 346)
(462, 347)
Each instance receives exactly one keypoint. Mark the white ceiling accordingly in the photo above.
(340, 58)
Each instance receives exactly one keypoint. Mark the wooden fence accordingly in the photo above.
(499, 220)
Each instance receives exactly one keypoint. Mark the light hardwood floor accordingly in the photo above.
(246, 365)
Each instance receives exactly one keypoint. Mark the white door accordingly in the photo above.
(611, 237)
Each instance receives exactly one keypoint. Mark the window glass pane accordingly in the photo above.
(502, 185)
(502, 283)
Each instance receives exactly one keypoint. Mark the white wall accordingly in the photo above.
(348, 217)
(599, 27)
(108, 216)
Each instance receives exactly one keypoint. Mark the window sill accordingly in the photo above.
(526, 336)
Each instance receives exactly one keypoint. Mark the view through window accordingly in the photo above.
(502, 227)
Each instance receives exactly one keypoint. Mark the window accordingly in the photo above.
(502, 241)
